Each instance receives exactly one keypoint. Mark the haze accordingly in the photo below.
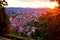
(31, 3)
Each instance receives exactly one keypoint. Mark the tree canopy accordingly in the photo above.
(4, 18)
(3, 3)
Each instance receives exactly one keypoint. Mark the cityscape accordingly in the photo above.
(29, 19)
(24, 15)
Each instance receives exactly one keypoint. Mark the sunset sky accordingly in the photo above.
(31, 3)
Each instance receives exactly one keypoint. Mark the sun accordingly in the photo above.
(52, 5)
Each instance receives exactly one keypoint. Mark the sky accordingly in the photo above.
(30, 3)
(34, 0)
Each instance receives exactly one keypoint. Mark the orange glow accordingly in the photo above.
(34, 4)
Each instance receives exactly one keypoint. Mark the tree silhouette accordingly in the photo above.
(3, 3)
(4, 19)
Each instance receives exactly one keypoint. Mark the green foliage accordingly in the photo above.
(32, 23)
(49, 26)
(40, 25)
(4, 21)
(53, 25)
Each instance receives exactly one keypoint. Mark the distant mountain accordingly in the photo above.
(17, 9)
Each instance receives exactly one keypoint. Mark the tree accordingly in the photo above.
(40, 25)
(53, 31)
(3, 3)
(4, 18)
(49, 26)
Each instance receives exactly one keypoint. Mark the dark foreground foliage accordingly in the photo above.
(4, 21)
(48, 26)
